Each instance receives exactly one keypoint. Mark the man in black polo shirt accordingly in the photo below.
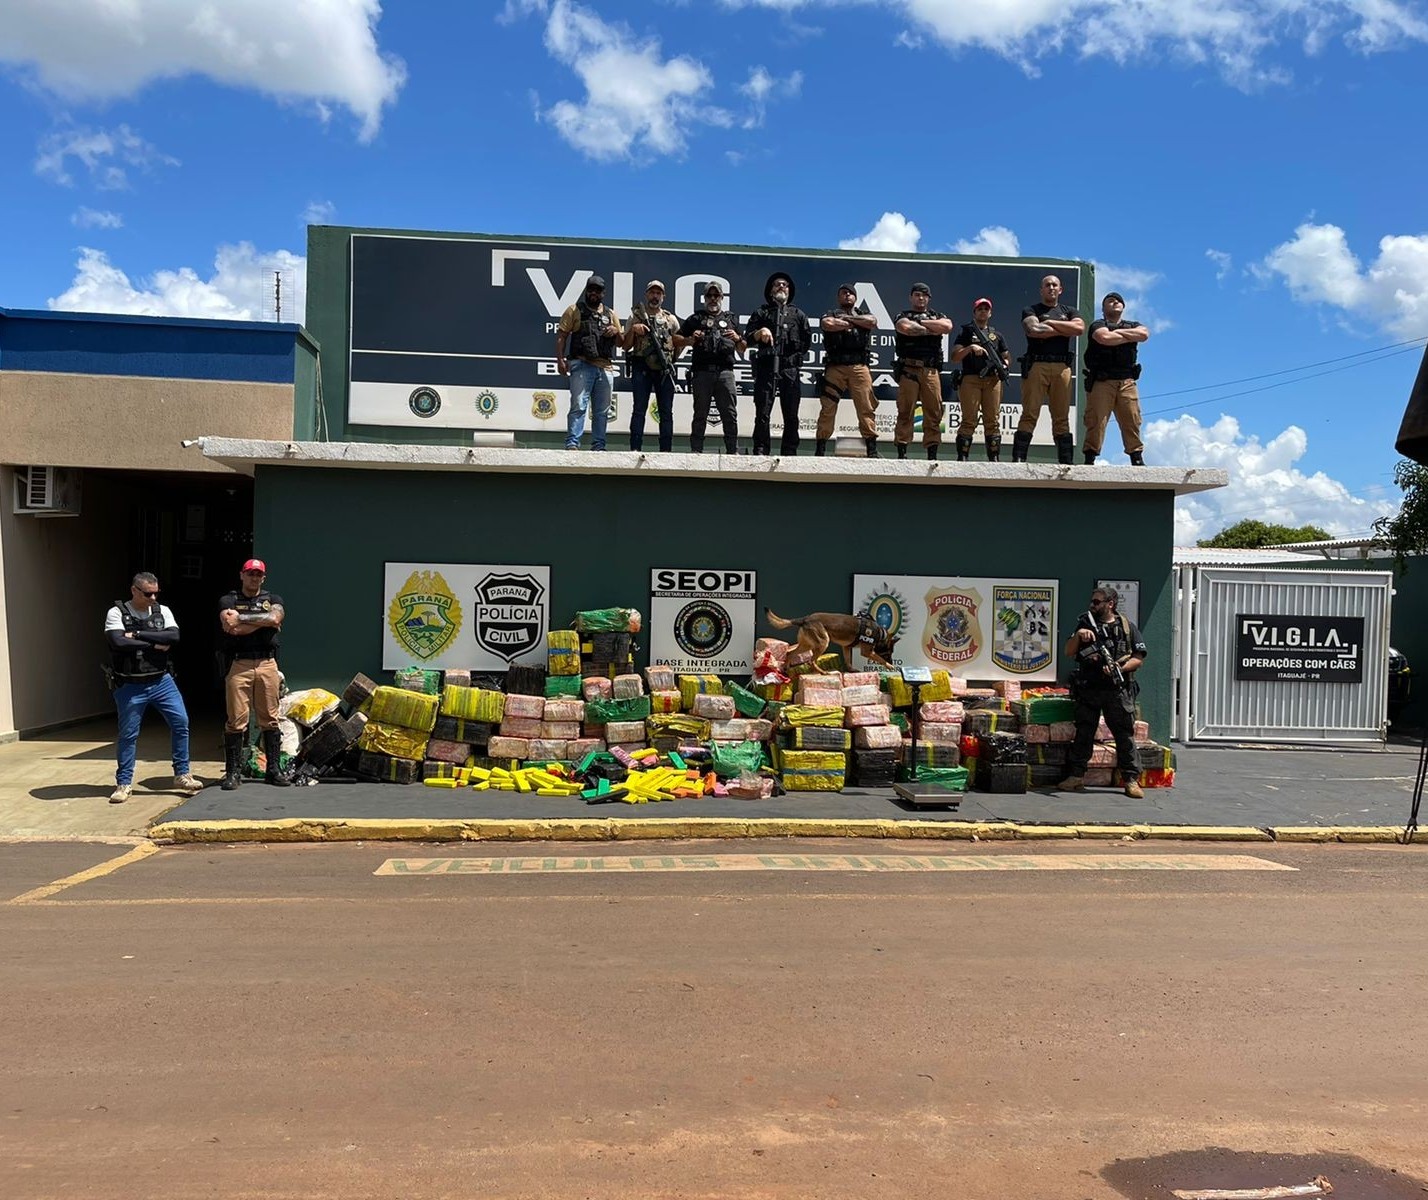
(1112, 372)
(1050, 327)
(920, 329)
(717, 341)
(251, 619)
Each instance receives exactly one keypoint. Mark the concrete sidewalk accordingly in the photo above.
(57, 787)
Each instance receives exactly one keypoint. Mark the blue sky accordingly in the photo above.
(1250, 173)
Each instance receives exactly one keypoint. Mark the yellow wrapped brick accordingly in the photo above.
(939, 689)
(813, 714)
(395, 741)
(412, 710)
(473, 704)
(562, 651)
(812, 770)
(683, 724)
(830, 662)
(693, 685)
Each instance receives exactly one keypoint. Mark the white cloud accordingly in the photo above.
(319, 212)
(633, 97)
(514, 10)
(893, 232)
(1236, 37)
(105, 154)
(1318, 267)
(1224, 264)
(319, 51)
(89, 218)
(239, 289)
(1134, 285)
(1264, 484)
(761, 87)
(992, 241)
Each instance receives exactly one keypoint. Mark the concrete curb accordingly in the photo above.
(617, 829)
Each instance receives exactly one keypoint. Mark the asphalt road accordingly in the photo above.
(282, 1021)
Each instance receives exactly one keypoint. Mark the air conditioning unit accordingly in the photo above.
(47, 491)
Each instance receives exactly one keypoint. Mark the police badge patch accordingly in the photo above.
(424, 402)
(543, 406)
(425, 615)
(510, 614)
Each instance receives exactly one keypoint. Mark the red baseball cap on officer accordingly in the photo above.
(256, 564)
(981, 302)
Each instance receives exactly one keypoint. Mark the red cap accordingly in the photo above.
(256, 564)
(981, 302)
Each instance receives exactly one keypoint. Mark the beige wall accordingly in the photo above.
(58, 420)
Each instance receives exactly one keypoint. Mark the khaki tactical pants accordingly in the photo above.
(1050, 383)
(1118, 396)
(984, 393)
(917, 382)
(857, 381)
(251, 683)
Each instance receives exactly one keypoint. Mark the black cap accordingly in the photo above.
(921, 287)
(848, 287)
(595, 281)
(714, 286)
(1113, 296)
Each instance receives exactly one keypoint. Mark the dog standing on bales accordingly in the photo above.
(817, 631)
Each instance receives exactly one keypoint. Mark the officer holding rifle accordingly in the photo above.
(1107, 651)
(654, 343)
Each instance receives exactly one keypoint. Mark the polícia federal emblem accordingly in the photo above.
(425, 615)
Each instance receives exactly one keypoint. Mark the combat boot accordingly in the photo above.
(902, 449)
(272, 751)
(872, 444)
(1021, 443)
(820, 448)
(994, 449)
(1137, 458)
(932, 453)
(1065, 449)
(1133, 790)
(1090, 456)
(232, 760)
(964, 447)
(1072, 783)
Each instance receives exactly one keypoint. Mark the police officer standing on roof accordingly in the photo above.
(847, 353)
(654, 338)
(141, 634)
(1050, 327)
(918, 335)
(1111, 374)
(716, 341)
(781, 336)
(1104, 637)
(251, 618)
(980, 384)
(592, 332)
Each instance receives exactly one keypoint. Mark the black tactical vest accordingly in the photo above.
(850, 347)
(925, 348)
(139, 660)
(595, 337)
(714, 351)
(1112, 362)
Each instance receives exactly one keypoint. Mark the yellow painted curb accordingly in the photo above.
(1208, 833)
(1045, 833)
(1370, 833)
(1303, 833)
(1112, 833)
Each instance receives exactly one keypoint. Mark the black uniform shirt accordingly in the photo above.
(792, 340)
(919, 347)
(1111, 362)
(975, 364)
(261, 644)
(721, 356)
(1038, 347)
(1122, 639)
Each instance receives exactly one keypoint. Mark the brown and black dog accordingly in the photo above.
(817, 631)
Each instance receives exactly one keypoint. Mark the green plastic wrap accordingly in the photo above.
(602, 711)
(608, 620)
(731, 761)
(418, 679)
(562, 685)
(748, 704)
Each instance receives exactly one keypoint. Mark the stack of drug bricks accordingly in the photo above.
(466, 724)
(837, 730)
(327, 746)
(607, 640)
(394, 740)
(937, 750)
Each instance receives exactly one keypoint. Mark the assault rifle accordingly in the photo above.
(1097, 656)
(666, 368)
(994, 360)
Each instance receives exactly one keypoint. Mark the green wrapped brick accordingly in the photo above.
(731, 761)
(557, 686)
(418, 679)
(603, 711)
(608, 620)
(746, 702)
(412, 710)
(1045, 710)
(952, 779)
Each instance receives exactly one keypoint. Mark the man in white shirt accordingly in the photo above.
(141, 634)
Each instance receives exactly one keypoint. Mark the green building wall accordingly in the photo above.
(325, 534)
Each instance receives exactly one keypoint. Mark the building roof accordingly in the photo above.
(1216, 556)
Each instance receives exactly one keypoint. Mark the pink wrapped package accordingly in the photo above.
(627, 687)
(735, 730)
(865, 714)
(520, 727)
(596, 687)
(666, 700)
(559, 731)
(509, 747)
(621, 733)
(438, 750)
(525, 706)
(877, 737)
(760, 730)
(751, 787)
(1036, 735)
(1063, 731)
(943, 710)
(715, 708)
(1100, 777)
(1103, 755)
(1141, 732)
(578, 748)
(661, 678)
(1008, 689)
(861, 679)
(774, 649)
(860, 693)
(940, 733)
(959, 685)
(820, 691)
(978, 693)
(564, 710)
(547, 750)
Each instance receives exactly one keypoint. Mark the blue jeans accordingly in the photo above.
(132, 700)
(642, 383)
(590, 389)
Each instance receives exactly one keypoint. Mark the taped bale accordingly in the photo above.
(781, 692)
(359, 691)
(874, 768)
(1157, 779)
(831, 663)
(602, 712)
(981, 720)
(929, 754)
(1040, 775)
(730, 760)
(735, 729)
(472, 704)
(949, 779)
(560, 731)
(525, 680)
(998, 749)
(877, 737)
(557, 686)
(946, 712)
(939, 733)
(900, 720)
(441, 750)
(578, 748)
(862, 694)
(548, 750)
(418, 679)
(820, 691)
(504, 747)
(608, 647)
(458, 729)
(396, 741)
(665, 701)
(716, 708)
(816, 737)
(1103, 754)
(443, 770)
(699, 685)
(309, 706)
(521, 727)
(456, 677)
(1100, 777)
(760, 728)
(596, 687)
(564, 710)
(1008, 689)
(521, 705)
(661, 678)
(397, 706)
(746, 702)
(619, 733)
(332, 739)
(372, 765)
(1036, 734)
(1151, 757)
(813, 770)
(810, 714)
(562, 652)
(1045, 710)
(1141, 731)
(1063, 731)
(865, 714)
(939, 689)
(627, 687)
(862, 679)
(608, 620)
(685, 724)
(1050, 755)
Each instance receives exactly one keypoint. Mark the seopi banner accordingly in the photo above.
(974, 628)
(482, 617)
(702, 619)
(459, 332)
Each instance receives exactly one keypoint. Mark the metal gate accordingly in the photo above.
(1264, 655)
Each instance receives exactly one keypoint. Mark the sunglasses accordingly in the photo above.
(151, 595)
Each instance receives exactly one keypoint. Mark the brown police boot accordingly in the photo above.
(1133, 791)
(1072, 783)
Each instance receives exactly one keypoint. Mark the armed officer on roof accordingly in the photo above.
(780, 334)
(592, 331)
(717, 342)
(1111, 374)
(918, 335)
(653, 338)
(847, 354)
(983, 357)
(1051, 327)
